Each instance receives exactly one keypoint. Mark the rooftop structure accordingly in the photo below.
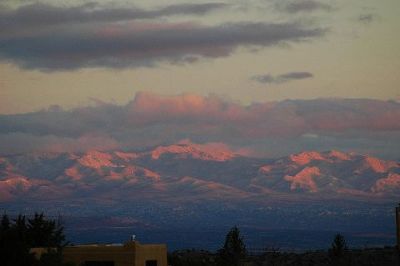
(131, 253)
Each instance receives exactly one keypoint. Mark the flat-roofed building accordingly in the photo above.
(131, 253)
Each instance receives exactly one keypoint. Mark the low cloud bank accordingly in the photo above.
(267, 128)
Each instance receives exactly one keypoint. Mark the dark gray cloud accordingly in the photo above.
(303, 6)
(351, 124)
(283, 77)
(141, 44)
(367, 18)
(39, 15)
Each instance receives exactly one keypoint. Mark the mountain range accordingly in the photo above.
(195, 172)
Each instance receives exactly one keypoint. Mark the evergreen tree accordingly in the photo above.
(5, 223)
(21, 229)
(338, 251)
(14, 249)
(18, 237)
(234, 251)
(338, 247)
(45, 233)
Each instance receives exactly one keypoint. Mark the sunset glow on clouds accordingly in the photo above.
(262, 77)
(65, 54)
(151, 119)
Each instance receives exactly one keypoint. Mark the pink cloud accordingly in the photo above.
(148, 107)
(258, 128)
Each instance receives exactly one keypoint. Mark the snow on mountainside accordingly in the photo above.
(96, 160)
(13, 185)
(333, 172)
(194, 171)
(304, 179)
(391, 182)
(306, 157)
(379, 166)
(194, 151)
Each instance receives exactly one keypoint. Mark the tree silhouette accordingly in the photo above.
(18, 237)
(339, 246)
(338, 251)
(45, 233)
(14, 250)
(234, 251)
(5, 223)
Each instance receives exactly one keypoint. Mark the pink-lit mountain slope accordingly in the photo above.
(195, 172)
(194, 151)
(331, 173)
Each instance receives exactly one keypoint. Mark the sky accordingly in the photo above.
(276, 76)
(259, 50)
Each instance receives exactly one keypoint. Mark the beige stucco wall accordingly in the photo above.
(130, 254)
(151, 252)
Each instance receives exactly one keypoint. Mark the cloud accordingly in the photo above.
(303, 6)
(63, 38)
(151, 119)
(39, 14)
(282, 78)
(17, 142)
(367, 18)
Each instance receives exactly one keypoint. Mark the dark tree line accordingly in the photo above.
(234, 253)
(20, 235)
